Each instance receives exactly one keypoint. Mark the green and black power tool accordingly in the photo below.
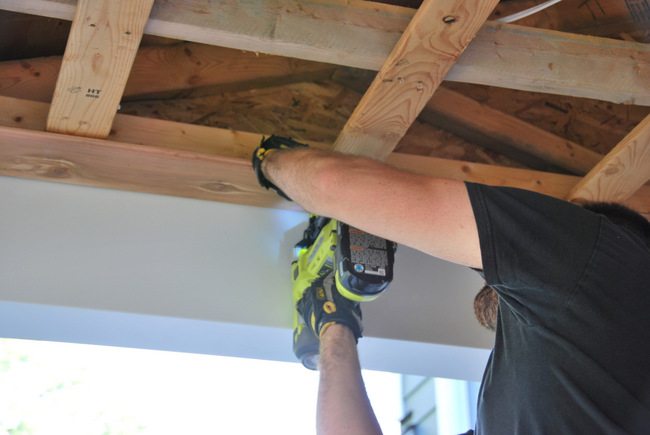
(362, 263)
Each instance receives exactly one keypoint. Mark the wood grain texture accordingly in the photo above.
(435, 135)
(102, 45)
(33, 79)
(116, 165)
(621, 172)
(362, 34)
(598, 68)
(170, 71)
(31, 115)
(305, 111)
(492, 128)
(597, 125)
(438, 34)
(200, 162)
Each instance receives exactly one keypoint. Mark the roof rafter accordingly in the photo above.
(102, 44)
(438, 34)
(362, 34)
(621, 172)
(483, 125)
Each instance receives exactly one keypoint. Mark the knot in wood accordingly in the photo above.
(221, 187)
(44, 167)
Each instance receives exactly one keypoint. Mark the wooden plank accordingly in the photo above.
(168, 70)
(149, 155)
(621, 173)
(597, 125)
(438, 34)
(327, 113)
(116, 165)
(361, 34)
(555, 62)
(184, 67)
(32, 115)
(33, 79)
(494, 129)
(102, 44)
(453, 132)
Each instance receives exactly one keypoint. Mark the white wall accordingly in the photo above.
(145, 263)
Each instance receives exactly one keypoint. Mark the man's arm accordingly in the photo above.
(432, 215)
(343, 405)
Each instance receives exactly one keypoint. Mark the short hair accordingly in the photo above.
(486, 307)
(624, 216)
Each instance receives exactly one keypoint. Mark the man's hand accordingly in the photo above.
(322, 306)
(263, 150)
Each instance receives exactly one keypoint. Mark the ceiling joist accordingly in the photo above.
(188, 160)
(486, 126)
(147, 155)
(438, 34)
(102, 45)
(621, 172)
(362, 34)
(171, 71)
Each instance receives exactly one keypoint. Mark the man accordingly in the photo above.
(572, 346)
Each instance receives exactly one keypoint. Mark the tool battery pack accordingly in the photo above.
(364, 263)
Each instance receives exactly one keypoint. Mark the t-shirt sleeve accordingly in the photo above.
(535, 248)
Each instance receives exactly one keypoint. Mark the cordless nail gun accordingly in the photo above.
(362, 264)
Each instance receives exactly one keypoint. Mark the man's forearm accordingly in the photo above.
(340, 186)
(343, 405)
(430, 214)
(302, 175)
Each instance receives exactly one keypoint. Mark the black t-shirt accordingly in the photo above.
(572, 346)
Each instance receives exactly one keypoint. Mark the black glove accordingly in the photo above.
(260, 153)
(322, 305)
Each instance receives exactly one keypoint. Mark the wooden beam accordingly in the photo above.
(361, 34)
(142, 168)
(557, 61)
(487, 127)
(32, 79)
(117, 165)
(211, 69)
(621, 173)
(438, 34)
(102, 44)
(199, 162)
(169, 71)
(31, 115)
(494, 129)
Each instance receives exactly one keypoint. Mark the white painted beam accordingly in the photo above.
(99, 266)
